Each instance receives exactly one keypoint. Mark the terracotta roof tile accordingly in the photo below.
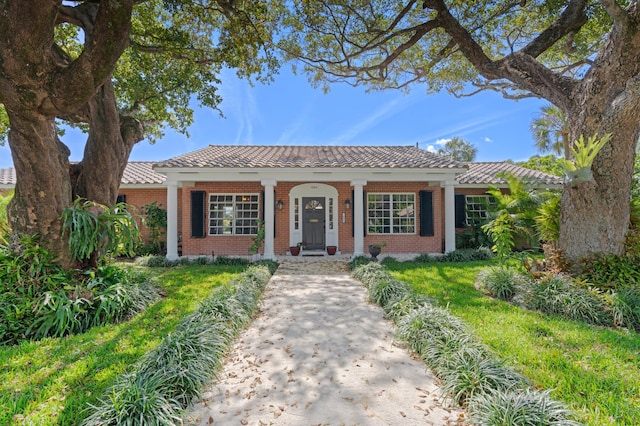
(486, 173)
(141, 172)
(136, 173)
(265, 156)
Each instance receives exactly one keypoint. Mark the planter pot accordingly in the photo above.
(374, 251)
(331, 250)
(294, 250)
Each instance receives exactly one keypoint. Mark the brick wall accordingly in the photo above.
(139, 197)
(238, 245)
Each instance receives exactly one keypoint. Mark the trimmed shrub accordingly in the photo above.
(425, 258)
(387, 292)
(272, 265)
(397, 309)
(426, 326)
(559, 294)
(471, 371)
(625, 306)
(156, 261)
(500, 282)
(226, 260)
(467, 255)
(389, 260)
(359, 261)
(371, 273)
(509, 408)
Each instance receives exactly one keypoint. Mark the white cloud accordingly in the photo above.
(488, 139)
(442, 142)
(432, 148)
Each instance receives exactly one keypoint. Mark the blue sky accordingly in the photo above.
(291, 112)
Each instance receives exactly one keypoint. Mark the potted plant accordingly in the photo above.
(295, 250)
(331, 250)
(375, 249)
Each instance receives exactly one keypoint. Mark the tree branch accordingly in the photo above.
(617, 13)
(572, 19)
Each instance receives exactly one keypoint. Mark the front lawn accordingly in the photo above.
(52, 381)
(594, 370)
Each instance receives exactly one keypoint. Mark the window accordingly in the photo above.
(391, 213)
(477, 207)
(233, 214)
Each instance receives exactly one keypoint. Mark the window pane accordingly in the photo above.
(391, 213)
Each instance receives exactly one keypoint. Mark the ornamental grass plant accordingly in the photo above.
(52, 381)
(466, 367)
(174, 373)
(589, 370)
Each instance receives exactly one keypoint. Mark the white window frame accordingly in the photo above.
(237, 211)
(394, 221)
(476, 208)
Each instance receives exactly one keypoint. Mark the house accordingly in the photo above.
(320, 196)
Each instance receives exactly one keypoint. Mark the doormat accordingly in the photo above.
(312, 254)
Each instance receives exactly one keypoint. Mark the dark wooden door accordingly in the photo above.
(313, 218)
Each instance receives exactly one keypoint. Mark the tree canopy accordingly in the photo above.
(580, 55)
(458, 149)
(121, 70)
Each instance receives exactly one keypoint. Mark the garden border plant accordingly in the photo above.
(471, 374)
(168, 378)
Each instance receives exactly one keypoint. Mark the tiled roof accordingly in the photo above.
(7, 176)
(486, 173)
(136, 173)
(141, 172)
(263, 156)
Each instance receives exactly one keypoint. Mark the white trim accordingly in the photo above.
(300, 174)
(358, 216)
(172, 219)
(314, 190)
(449, 216)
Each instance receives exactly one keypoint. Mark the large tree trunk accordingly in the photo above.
(38, 83)
(595, 215)
(43, 187)
(111, 138)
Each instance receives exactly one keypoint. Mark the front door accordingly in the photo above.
(313, 217)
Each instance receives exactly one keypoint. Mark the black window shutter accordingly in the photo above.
(263, 215)
(426, 214)
(198, 204)
(461, 211)
(122, 198)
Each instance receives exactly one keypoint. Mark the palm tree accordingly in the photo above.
(551, 131)
(458, 150)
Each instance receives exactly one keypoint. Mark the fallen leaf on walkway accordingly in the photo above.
(403, 414)
(307, 405)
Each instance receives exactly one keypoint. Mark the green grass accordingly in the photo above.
(594, 370)
(51, 381)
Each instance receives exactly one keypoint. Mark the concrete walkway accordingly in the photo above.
(319, 354)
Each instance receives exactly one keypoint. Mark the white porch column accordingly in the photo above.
(269, 218)
(172, 219)
(449, 216)
(358, 216)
